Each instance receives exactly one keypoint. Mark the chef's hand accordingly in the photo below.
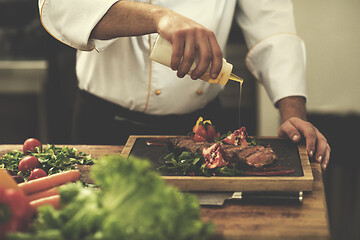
(295, 127)
(190, 39)
(316, 144)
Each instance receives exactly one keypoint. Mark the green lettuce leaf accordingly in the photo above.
(132, 202)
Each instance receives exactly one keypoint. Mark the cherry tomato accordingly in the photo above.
(28, 163)
(30, 145)
(37, 173)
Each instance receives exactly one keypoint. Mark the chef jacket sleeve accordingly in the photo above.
(71, 21)
(276, 54)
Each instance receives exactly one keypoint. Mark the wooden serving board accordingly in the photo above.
(290, 155)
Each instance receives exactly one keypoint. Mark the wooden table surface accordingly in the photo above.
(240, 220)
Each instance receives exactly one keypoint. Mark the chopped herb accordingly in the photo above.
(52, 159)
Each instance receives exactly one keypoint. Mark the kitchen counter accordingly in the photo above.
(246, 220)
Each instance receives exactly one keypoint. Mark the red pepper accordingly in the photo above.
(15, 211)
(204, 131)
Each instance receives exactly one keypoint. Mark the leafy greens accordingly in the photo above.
(52, 159)
(191, 164)
(132, 202)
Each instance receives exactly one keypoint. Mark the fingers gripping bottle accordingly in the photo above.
(162, 51)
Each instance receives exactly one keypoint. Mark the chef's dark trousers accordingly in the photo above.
(97, 121)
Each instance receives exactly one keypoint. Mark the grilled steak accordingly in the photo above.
(261, 158)
(240, 153)
(180, 144)
(255, 156)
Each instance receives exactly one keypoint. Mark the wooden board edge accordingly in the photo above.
(305, 163)
(128, 145)
(186, 183)
(240, 184)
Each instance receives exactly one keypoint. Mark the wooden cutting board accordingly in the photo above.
(290, 155)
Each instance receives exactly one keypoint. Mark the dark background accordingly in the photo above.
(38, 103)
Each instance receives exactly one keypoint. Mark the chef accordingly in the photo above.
(123, 92)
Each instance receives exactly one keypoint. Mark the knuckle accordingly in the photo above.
(207, 56)
(310, 129)
(293, 119)
(179, 33)
(177, 53)
(208, 33)
(201, 31)
(190, 56)
(189, 31)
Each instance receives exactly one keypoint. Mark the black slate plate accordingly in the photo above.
(287, 152)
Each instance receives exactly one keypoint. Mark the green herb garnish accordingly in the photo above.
(191, 164)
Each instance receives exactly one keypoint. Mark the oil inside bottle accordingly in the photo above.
(240, 80)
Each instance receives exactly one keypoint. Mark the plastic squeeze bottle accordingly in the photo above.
(162, 51)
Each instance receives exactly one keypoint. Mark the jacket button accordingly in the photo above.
(199, 92)
(157, 92)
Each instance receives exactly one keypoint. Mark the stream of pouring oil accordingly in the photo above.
(240, 80)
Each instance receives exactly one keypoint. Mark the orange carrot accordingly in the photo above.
(46, 193)
(52, 200)
(47, 182)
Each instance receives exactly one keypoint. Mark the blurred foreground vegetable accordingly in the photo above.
(133, 202)
(15, 211)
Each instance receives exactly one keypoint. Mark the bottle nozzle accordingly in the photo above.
(236, 78)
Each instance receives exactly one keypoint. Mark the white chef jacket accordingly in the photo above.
(120, 71)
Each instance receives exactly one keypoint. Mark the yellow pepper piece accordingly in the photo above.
(200, 120)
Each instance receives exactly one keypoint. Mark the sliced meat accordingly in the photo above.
(261, 158)
(255, 156)
(180, 144)
(239, 153)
